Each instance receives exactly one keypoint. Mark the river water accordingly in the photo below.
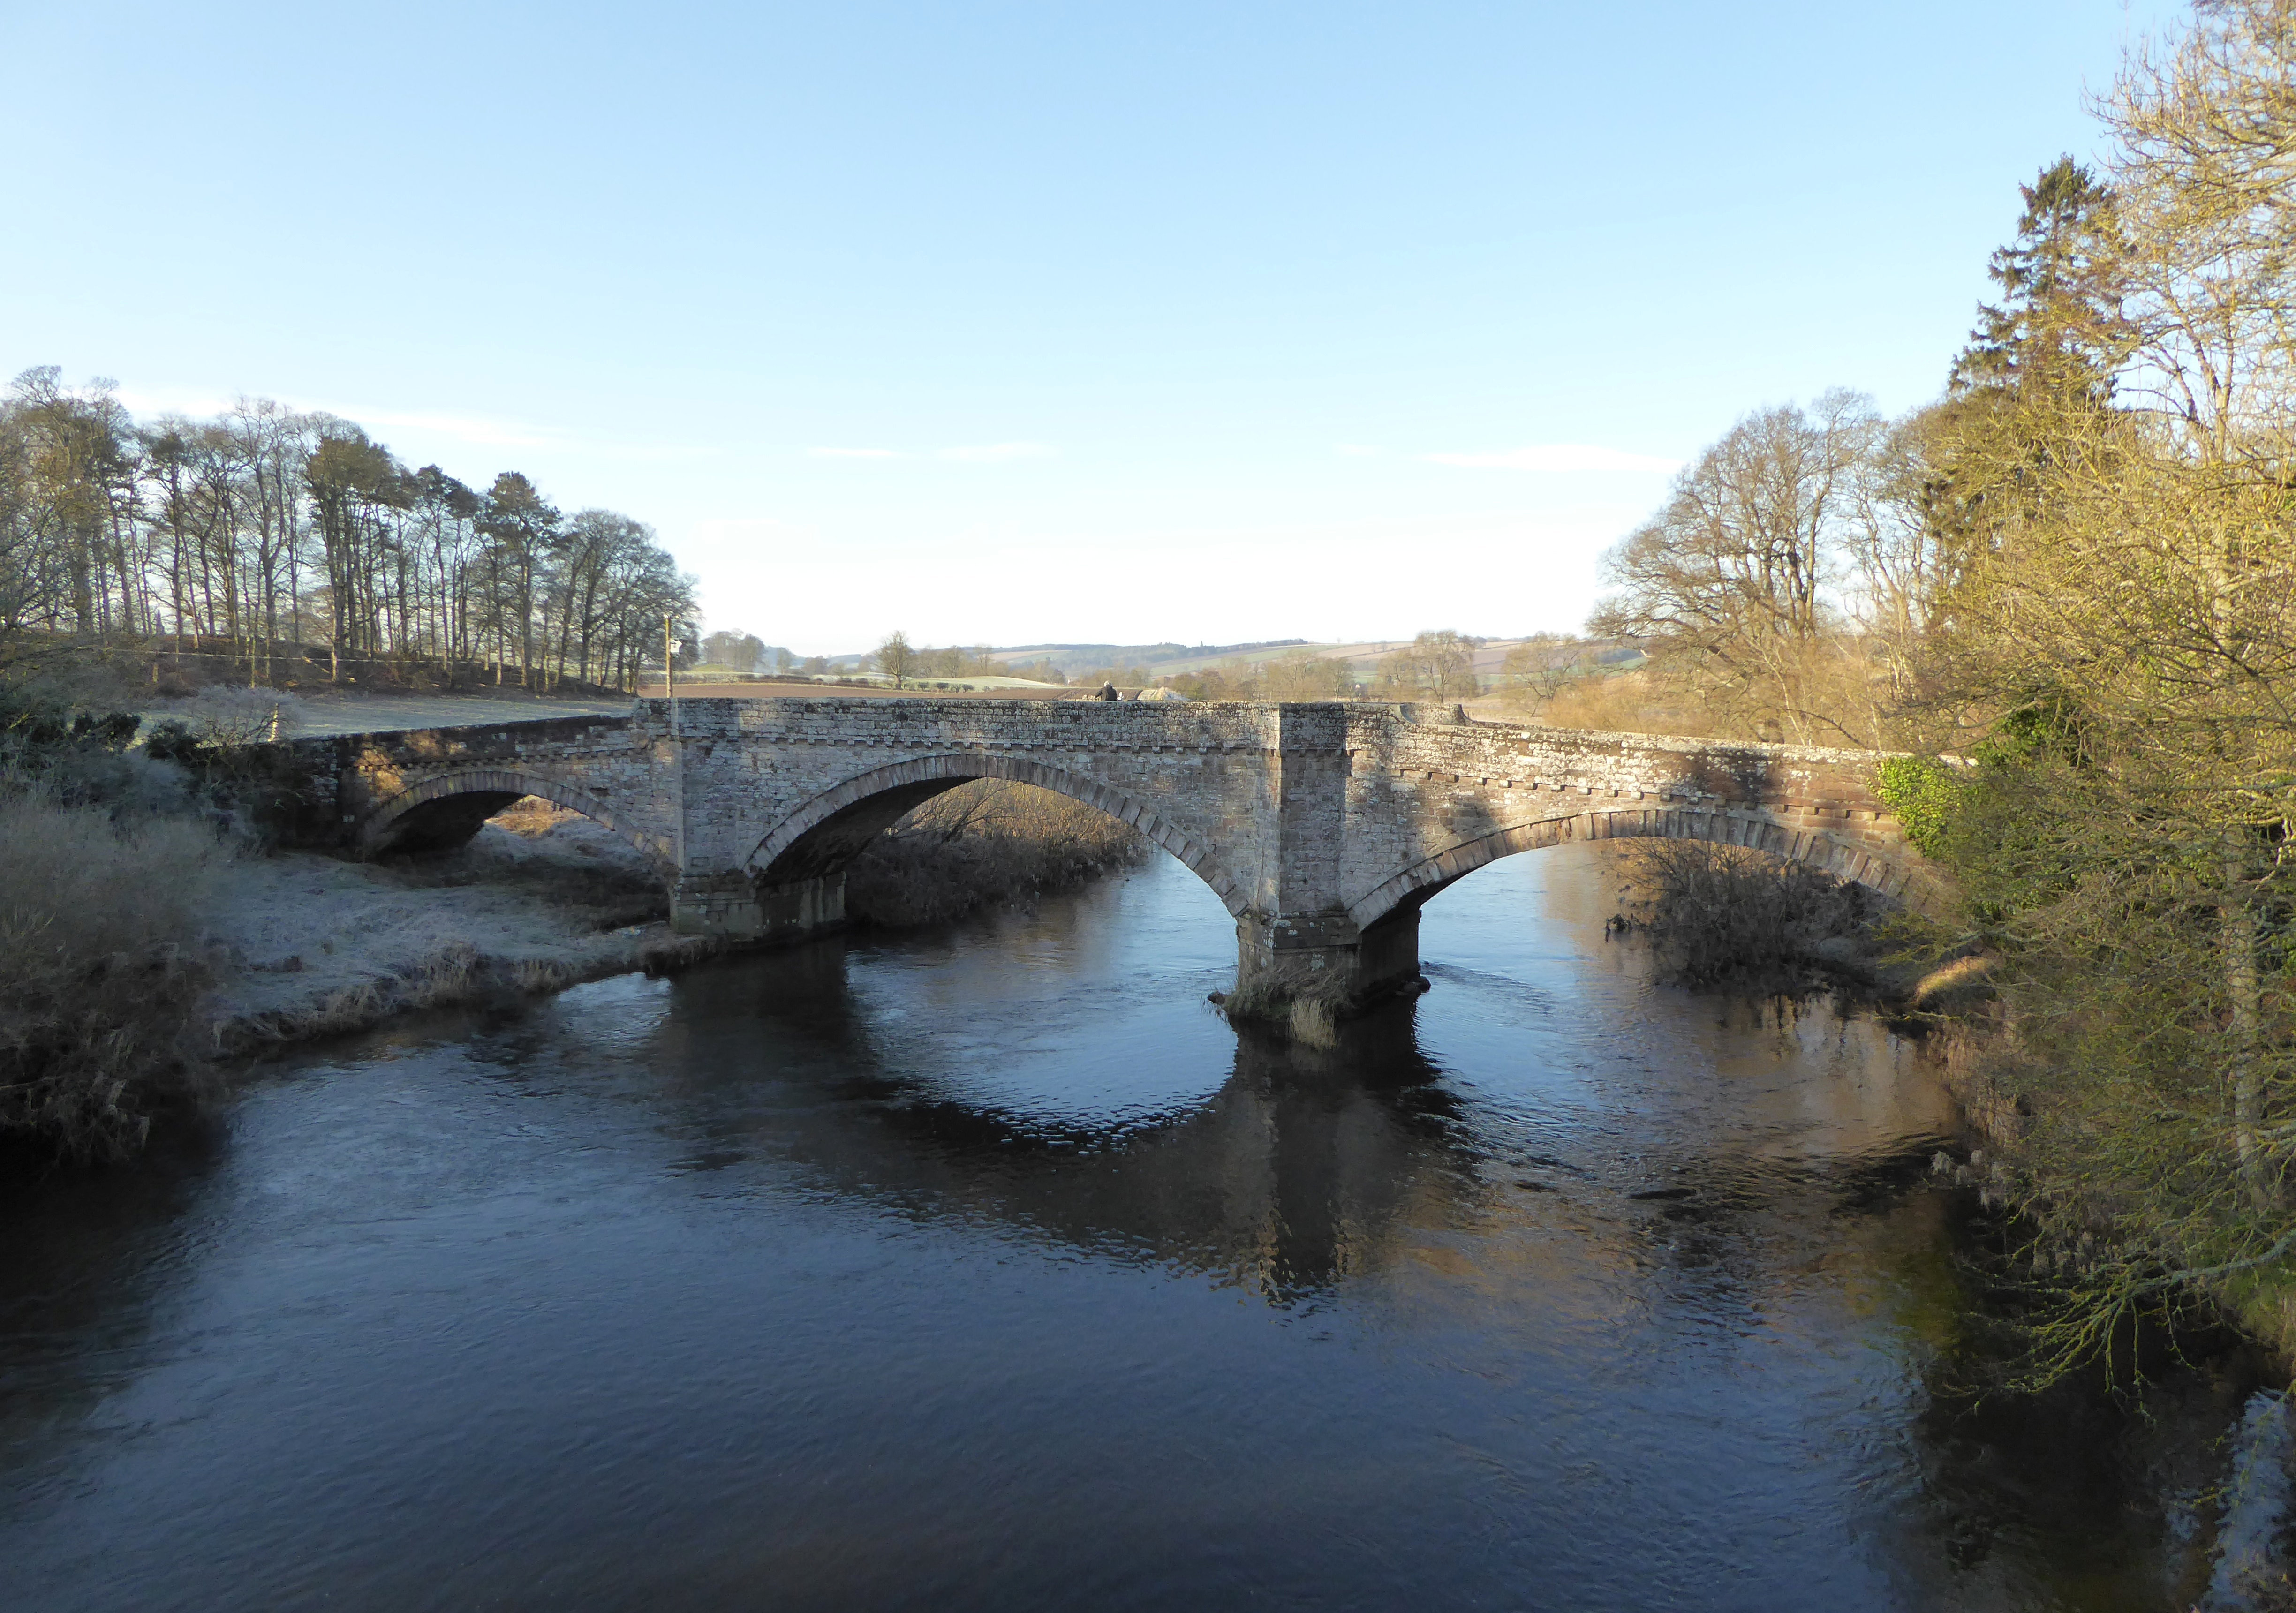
(988, 1270)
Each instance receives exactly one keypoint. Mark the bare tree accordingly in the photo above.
(1438, 665)
(1536, 670)
(895, 659)
(264, 528)
(1730, 586)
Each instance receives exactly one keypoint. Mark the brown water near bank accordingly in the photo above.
(990, 1268)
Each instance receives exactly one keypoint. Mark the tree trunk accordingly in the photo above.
(2244, 994)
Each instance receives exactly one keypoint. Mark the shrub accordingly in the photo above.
(232, 718)
(1926, 795)
(1724, 912)
(982, 843)
(82, 758)
(223, 740)
(97, 917)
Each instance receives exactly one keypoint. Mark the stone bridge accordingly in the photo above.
(1322, 828)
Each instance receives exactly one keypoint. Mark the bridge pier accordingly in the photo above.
(733, 904)
(1292, 954)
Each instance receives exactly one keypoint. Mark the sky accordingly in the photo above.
(1016, 324)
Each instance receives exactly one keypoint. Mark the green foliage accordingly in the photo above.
(2050, 725)
(1926, 794)
(2057, 326)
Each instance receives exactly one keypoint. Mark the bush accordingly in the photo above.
(231, 719)
(1725, 914)
(1926, 795)
(982, 843)
(82, 758)
(96, 918)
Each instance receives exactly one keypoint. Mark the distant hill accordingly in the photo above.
(1169, 659)
(1073, 659)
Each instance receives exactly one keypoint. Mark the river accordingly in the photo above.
(988, 1270)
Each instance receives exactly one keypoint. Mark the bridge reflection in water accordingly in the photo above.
(996, 1272)
(1051, 1073)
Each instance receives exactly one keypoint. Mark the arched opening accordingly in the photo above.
(1410, 889)
(446, 811)
(820, 838)
(442, 825)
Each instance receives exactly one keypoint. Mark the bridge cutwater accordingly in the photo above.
(1322, 828)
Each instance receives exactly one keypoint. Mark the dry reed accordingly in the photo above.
(1305, 1004)
(97, 919)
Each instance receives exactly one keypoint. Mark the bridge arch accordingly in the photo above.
(1843, 858)
(447, 808)
(827, 831)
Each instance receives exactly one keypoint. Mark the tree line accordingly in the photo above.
(263, 530)
(2069, 588)
(1438, 664)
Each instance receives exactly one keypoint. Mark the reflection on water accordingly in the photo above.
(994, 1271)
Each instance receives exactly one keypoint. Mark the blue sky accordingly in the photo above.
(1016, 323)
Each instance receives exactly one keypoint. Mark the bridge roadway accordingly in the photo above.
(1322, 827)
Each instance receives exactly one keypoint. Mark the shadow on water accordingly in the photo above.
(992, 1268)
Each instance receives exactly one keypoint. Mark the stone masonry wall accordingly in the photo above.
(1429, 801)
(760, 774)
(1311, 822)
(359, 785)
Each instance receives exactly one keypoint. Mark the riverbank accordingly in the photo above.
(1725, 920)
(305, 944)
(150, 944)
(542, 898)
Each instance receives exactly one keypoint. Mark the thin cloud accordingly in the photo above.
(753, 529)
(1557, 457)
(171, 400)
(474, 430)
(996, 453)
(853, 454)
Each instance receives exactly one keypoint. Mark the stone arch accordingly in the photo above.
(1844, 858)
(489, 789)
(825, 831)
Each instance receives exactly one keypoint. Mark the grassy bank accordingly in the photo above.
(143, 938)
